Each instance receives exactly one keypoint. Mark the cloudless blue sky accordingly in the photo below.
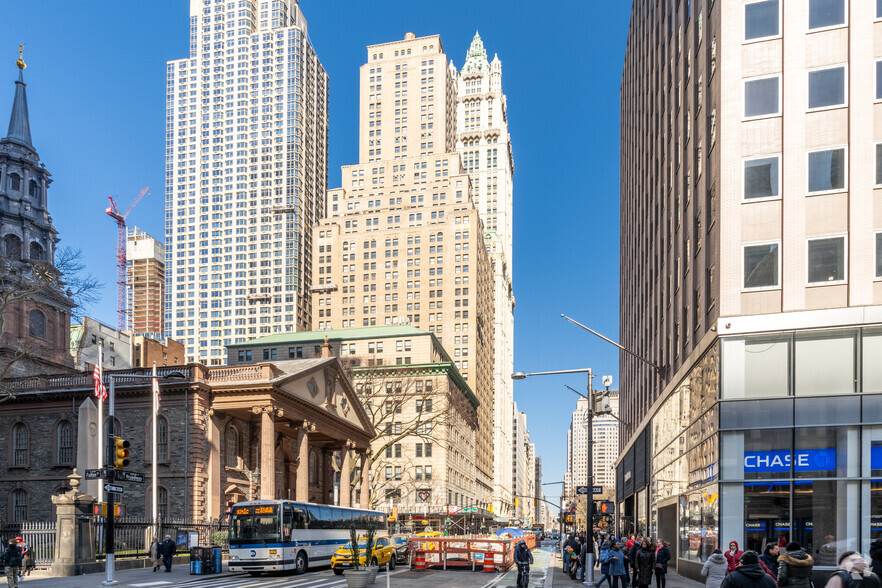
(96, 91)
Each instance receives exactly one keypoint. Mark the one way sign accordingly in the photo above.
(113, 488)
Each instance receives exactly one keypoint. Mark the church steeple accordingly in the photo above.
(19, 122)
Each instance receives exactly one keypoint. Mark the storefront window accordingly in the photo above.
(871, 348)
(757, 454)
(641, 512)
(756, 367)
(821, 521)
(766, 513)
(699, 511)
(825, 364)
(826, 452)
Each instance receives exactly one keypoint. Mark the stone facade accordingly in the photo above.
(225, 434)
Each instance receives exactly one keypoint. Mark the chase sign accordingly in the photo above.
(804, 460)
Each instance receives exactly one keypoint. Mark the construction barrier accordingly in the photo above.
(487, 553)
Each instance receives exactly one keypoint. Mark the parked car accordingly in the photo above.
(382, 554)
(401, 543)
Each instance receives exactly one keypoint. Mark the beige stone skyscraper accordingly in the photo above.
(483, 141)
(145, 282)
(402, 242)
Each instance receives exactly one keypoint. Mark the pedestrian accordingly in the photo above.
(615, 557)
(715, 569)
(748, 574)
(12, 558)
(795, 567)
(156, 553)
(853, 572)
(770, 558)
(27, 563)
(523, 558)
(662, 557)
(604, 563)
(168, 552)
(876, 556)
(733, 556)
(644, 564)
(632, 558)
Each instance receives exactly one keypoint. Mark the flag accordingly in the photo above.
(100, 389)
(155, 383)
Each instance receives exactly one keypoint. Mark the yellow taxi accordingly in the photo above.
(383, 554)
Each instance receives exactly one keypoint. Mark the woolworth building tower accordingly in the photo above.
(34, 307)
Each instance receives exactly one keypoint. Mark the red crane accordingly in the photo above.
(121, 296)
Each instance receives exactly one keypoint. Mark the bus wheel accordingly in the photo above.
(300, 563)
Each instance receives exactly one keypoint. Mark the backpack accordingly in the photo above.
(867, 580)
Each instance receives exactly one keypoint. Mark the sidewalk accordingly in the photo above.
(179, 575)
(557, 578)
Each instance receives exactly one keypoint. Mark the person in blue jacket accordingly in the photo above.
(604, 564)
(615, 559)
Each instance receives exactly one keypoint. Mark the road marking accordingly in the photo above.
(150, 584)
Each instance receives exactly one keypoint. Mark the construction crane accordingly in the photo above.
(121, 295)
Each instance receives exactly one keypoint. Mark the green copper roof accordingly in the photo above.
(384, 332)
(476, 58)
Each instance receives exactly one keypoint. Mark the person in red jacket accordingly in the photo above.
(733, 556)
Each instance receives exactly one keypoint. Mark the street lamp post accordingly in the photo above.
(109, 475)
(589, 522)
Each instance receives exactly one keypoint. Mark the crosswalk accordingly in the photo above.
(323, 579)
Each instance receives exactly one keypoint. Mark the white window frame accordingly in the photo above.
(745, 41)
(808, 16)
(875, 257)
(744, 83)
(808, 73)
(876, 145)
(744, 161)
(761, 288)
(845, 178)
(876, 63)
(844, 280)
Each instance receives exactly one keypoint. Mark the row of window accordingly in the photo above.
(762, 18)
(20, 503)
(827, 262)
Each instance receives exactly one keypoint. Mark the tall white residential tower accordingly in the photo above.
(246, 174)
(484, 144)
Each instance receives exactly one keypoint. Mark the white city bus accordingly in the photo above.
(280, 535)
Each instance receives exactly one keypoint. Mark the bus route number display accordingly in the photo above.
(255, 510)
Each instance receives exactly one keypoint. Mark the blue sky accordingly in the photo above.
(96, 91)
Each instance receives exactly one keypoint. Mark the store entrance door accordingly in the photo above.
(667, 528)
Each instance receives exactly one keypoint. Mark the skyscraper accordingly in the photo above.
(246, 175)
(146, 282)
(483, 141)
(751, 235)
(402, 242)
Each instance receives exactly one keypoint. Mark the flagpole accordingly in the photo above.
(155, 393)
(98, 389)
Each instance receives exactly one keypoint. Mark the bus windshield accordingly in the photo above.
(255, 524)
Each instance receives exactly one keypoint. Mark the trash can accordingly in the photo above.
(218, 562)
(201, 560)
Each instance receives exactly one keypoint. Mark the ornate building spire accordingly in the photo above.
(476, 58)
(19, 123)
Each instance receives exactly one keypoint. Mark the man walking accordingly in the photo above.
(168, 551)
(11, 558)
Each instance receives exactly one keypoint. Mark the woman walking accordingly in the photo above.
(733, 556)
(715, 569)
(615, 559)
(644, 564)
(604, 564)
(155, 554)
(662, 557)
(795, 567)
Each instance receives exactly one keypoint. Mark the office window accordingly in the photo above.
(826, 170)
(761, 97)
(827, 87)
(879, 78)
(878, 8)
(761, 266)
(826, 260)
(879, 255)
(761, 179)
(826, 13)
(761, 19)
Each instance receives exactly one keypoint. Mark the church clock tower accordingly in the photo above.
(34, 307)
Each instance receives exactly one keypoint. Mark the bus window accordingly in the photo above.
(315, 518)
(258, 523)
(299, 518)
(340, 518)
(287, 523)
(327, 517)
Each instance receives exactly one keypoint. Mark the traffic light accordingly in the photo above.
(120, 452)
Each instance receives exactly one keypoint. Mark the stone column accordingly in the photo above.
(327, 477)
(345, 475)
(365, 480)
(301, 491)
(267, 452)
(215, 500)
(74, 539)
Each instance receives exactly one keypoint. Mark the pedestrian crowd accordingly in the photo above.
(634, 561)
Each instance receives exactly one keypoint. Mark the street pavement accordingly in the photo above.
(558, 579)
(322, 578)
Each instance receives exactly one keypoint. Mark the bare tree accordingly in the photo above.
(22, 280)
(405, 404)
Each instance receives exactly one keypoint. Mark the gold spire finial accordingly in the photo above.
(20, 62)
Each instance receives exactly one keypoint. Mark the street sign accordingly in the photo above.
(113, 488)
(94, 474)
(580, 490)
(470, 509)
(597, 490)
(124, 476)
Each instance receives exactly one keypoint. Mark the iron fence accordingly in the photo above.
(39, 536)
(133, 535)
